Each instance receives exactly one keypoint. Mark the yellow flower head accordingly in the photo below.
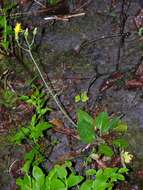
(17, 30)
(127, 157)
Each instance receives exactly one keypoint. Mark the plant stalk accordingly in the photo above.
(60, 106)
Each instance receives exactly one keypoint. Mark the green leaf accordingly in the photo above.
(102, 122)
(84, 116)
(114, 177)
(85, 127)
(86, 132)
(31, 101)
(57, 184)
(47, 185)
(77, 98)
(74, 180)
(43, 126)
(90, 172)
(68, 164)
(99, 173)
(105, 150)
(24, 183)
(120, 143)
(61, 171)
(30, 155)
(121, 127)
(52, 174)
(24, 131)
(44, 111)
(100, 184)
(120, 177)
(24, 98)
(26, 166)
(19, 182)
(123, 170)
(37, 131)
(36, 185)
(87, 185)
(113, 123)
(109, 172)
(38, 175)
(84, 97)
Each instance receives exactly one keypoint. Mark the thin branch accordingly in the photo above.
(64, 17)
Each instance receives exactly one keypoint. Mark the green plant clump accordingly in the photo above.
(104, 178)
(38, 124)
(57, 179)
(63, 177)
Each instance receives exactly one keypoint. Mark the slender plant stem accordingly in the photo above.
(60, 106)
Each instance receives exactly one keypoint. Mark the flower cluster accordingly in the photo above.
(127, 157)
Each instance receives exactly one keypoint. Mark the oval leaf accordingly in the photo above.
(38, 175)
(102, 122)
(74, 180)
(85, 127)
(105, 150)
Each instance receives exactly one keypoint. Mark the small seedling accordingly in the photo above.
(83, 97)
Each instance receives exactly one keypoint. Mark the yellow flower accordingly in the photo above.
(127, 157)
(17, 30)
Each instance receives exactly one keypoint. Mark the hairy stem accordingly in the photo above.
(60, 106)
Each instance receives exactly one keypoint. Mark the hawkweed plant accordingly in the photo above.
(18, 30)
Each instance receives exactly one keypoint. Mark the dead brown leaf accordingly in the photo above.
(57, 122)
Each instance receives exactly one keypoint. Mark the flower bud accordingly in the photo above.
(35, 31)
(26, 33)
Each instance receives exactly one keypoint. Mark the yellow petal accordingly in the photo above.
(17, 29)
